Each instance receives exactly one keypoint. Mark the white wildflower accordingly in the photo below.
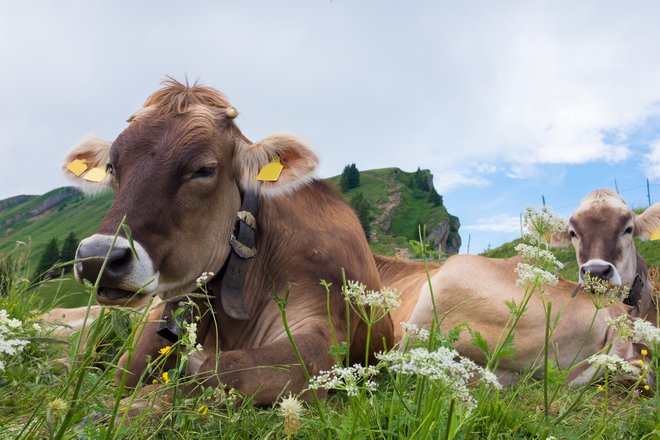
(541, 223)
(621, 324)
(532, 275)
(644, 331)
(204, 278)
(11, 342)
(537, 256)
(612, 362)
(189, 340)
(603, 293)
(36, 327)
(443, 365)
(413, 331)
(344, 378)
(291, 409)
(385, 299)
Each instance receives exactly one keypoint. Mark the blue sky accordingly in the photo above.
(502, 101)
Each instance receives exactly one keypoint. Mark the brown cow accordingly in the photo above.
(602, 230)
(473, 289)
(181, 171)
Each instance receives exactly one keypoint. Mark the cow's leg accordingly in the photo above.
(269, 371)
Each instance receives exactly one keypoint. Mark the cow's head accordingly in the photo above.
(602, 231)
(178, 171)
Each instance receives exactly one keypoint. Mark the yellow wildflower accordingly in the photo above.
(600, 388)
(165, 350)
(644, 352)
(647, 388)
(640, 362)
(203, 410)
(166, 378)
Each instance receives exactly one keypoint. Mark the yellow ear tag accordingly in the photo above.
(655, 235)
(95, 175)
(272, 171)
(77, 167)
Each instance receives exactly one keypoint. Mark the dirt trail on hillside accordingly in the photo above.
(388, 208)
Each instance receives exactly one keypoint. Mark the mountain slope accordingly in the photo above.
(395, 209)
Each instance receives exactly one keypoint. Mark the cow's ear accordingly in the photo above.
(278, 164)
(86, 163)
(647, 224)
(560, 239)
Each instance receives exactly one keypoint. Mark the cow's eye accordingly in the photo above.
(207, 171)
(628, 230)
(572, 233)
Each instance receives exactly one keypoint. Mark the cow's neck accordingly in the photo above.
(243, 251)
(641, 296)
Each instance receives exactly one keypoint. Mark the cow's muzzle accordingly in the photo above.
(601, 269)
(125, 277)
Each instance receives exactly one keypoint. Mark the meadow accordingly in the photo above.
(61, 389)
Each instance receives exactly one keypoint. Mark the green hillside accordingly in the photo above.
(649, 250)
(395, 207)
(37, 219)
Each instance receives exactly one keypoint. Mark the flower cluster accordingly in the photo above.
(644, 331)
(189, 341)
(204, 278)
(443, 365)
(345, 378)
(622, 325)
(541, 223)
(385, 299)
(532, 275)
(10, 342)
(415, 332)
(612, 362)
(603, 293)
(538, 257)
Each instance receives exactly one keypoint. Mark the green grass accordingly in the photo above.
(42, 397)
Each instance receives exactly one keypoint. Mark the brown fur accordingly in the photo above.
(472, 290)
(305, 233)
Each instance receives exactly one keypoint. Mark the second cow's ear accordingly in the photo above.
(86, 163)
(278, 164)
(560, 239)
(647, 224)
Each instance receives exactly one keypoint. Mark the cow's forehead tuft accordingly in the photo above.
(600, 198)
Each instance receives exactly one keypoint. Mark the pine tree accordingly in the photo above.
(435, 198)
(69, 248)
(362, 208)
(350, 178)
(50, 256)
(420, 180)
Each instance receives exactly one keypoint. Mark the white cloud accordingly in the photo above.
(651, 165)
(449, 180)
(498, 223)
(509, 84)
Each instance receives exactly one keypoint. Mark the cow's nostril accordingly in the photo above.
(604, 271)
(119, 259)
(118, 265)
